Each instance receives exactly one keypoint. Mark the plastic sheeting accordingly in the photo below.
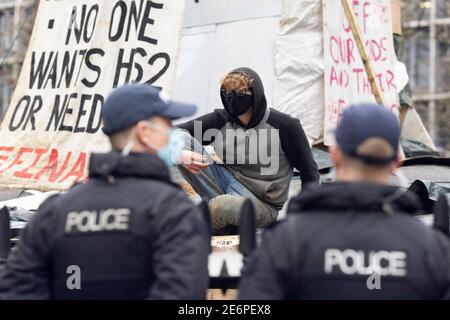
(299, 65)
(414, 129)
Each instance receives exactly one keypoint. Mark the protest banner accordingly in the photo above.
(346, 80)
(79, 51)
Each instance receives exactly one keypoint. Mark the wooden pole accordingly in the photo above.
(360, 43)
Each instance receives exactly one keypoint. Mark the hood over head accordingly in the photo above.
(260, 102)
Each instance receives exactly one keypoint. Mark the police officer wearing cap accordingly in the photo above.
(355, 238)
(128, 233)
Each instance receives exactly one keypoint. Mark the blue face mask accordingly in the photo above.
(171, 153)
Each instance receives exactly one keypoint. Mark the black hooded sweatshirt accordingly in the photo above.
(269, 132)
(146, 240)
(336, 236)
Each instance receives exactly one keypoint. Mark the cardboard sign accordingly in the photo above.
(346, 81)
(79, 51)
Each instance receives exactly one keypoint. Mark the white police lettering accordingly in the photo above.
(357, 262)
(94, 221)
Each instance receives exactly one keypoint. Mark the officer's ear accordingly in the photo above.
(142, 133)
(394, 165)
(336, 156)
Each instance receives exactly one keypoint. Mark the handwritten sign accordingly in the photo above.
(346, 81)
(79, 51)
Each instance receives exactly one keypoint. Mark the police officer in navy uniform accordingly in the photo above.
(128, 233)
(355, 238)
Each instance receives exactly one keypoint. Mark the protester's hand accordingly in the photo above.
(193, 162)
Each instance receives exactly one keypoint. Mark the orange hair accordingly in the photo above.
(236, 82)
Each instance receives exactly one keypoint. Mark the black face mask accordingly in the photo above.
(237, 104)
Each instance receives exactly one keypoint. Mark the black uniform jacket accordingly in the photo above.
(128, 233)
(350, 241)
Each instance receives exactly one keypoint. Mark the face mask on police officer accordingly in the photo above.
(236, 103)
(170, 153)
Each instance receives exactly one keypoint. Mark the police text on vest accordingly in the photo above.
(95, 221)
(359, 262)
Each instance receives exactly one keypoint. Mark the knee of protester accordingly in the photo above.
(227, 205)
(227, 202)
